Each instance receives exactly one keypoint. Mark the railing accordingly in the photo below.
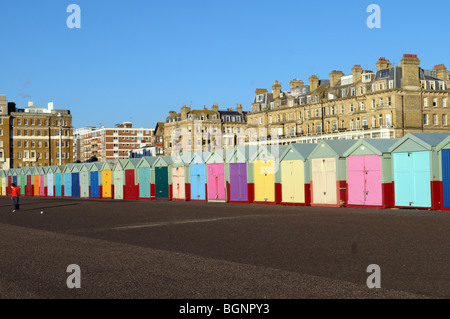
(384, 132)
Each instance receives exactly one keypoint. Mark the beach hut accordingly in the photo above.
(29, 187)
(95, 179)
(266, 173)
(416, 170)
(21, 180)
(9, 176)
(107, 189)
(75, 171)
(42, 181)
(59, 180)
(50, 179)
(144, 168)
(163, 180)
(240, 187)
(215, 176)
(119, 178)
(296, 174)
(180, 177)
(197, 173)
(329, 173)
(15, 176)
(84, 179)
(443, 150)
(131, 187)
(369, 173)
(67, 176)
(4, 180)
(36, 181)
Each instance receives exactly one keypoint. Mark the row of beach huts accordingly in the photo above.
(412, 172)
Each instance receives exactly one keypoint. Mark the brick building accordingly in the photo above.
(30, 136)
(109, 143)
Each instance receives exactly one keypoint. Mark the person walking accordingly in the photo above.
(15, 196)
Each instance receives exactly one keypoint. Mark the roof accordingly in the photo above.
(338, 146)
(304, 148)
(376, 145)
(382, 144)
(427, 140)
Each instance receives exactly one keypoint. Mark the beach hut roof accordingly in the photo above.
(426, 140)
(166, 159)
(377, 145)
(302, 149)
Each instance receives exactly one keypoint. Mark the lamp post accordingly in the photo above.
(60, 138)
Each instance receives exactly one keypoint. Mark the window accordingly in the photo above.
(362, 106)
(444, 102)
(334, 126)
(32, 121)
(389, 101)
(425, 101)
(352, 125)
(260, 120)
(361, 90)
(358, 123)
(353, 91)
(25, 122)
(332, 110)
(444, 119)
(380, 120)
(19, 121)
(425, 119)
(364, 121)
(391, 84)
(342, 109)
(351, 107)
(19, 155)
(435, 119)
(373, 104)
(19, 132)
(388, 120)
(319, 128)
(381, 102)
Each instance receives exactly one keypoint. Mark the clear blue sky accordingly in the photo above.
(138, 59)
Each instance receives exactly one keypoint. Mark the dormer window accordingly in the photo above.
(259, 98)
(353, 91)
(344, 92)
(432, 86)
(384, 73)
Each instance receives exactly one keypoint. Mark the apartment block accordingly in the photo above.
(32, 136)
(204, 129)
(387, 102)
(109, 143)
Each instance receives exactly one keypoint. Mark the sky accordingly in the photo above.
(136, 60)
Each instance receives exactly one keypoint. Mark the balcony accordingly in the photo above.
(342, 133)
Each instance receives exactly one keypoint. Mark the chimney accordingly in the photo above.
(296, 83)
(30, 103)
(441, 71)
(357, 73)
(184, 112)
(313, 83)
(383, 64)
(239, 108)
(215, 107)
(335, 76)
(410, 72)
(276, 89)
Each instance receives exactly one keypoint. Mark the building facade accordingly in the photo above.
(109, 143)
(204, 130)
(34, 136)
(386, 103)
